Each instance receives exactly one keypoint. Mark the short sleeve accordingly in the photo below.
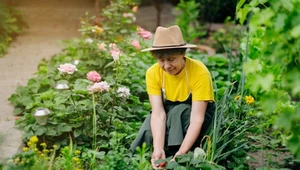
(152, 82)
(202, 89)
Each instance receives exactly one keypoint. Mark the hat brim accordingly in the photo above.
(170, 47)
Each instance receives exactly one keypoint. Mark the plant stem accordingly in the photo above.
(245, 59)
(51, 160)
(94, 123)
(71, 143)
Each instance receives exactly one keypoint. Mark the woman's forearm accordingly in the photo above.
(191, 136)
(158, 128)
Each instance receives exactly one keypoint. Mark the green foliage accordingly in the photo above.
(186, 19)
(72, 109)
(11, 24)
(274, 50)
(190, 161)
(260, 112)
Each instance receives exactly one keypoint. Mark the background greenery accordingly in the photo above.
(11, 24)
(255, 80)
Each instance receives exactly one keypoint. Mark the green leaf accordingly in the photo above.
(81, 86)
(183, 158)
(17, 111)
(297, 112)
(239, 5)
(51, 132)
(63, 127)
(180, 168)
(28, 135)
(77, 132)
(40, 131)
(263, 82)
(293, 145)
(252, 66)
(280, 21)
(243, 13)
(172, 165)
(295, 32)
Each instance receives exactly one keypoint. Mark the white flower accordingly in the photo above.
(67, 68)
(199, 153)
(89, 40)
(99, 87)
(123, 92)
(115, 54)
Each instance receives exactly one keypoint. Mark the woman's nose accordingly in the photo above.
(167, 65)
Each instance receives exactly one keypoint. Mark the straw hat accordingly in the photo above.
(168, 38)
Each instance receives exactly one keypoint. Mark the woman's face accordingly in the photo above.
(172, 64)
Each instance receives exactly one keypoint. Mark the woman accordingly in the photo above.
(181, 97)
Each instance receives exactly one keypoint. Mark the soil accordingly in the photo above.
(49, 23)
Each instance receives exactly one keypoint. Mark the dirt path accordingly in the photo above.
(50, 22)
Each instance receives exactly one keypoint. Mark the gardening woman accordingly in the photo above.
(181, 97)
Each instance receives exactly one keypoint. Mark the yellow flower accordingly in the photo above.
(29, 143)
(34, 139)
(54, 146)
(77, 152)
(43, 144)
(237, 97)
(97, 29)
(249, 99)
(46, 151)
(17, 160)
(25, 149)
(75, 159)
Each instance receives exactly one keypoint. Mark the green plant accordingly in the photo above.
(272, 48)
(11, 24)
(186, 19)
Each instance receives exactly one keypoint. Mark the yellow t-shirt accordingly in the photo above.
(194, 78)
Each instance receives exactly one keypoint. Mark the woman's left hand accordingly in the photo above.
(177, 153)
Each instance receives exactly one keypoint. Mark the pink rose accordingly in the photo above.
(135, 9)
(67, 68)
(115, 53)
(93, 76)
(129, 15)
(99, 87)
(143, 33)
(136, 44)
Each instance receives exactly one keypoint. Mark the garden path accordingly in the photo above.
(49, 22)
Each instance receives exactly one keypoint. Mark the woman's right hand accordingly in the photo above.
(157, 154)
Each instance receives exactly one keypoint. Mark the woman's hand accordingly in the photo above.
(157, 154)
(177, 153)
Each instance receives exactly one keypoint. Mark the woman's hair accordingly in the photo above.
(167, 52)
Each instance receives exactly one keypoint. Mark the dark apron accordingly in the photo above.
(178, 120)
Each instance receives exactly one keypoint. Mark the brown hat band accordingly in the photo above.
(169, 45)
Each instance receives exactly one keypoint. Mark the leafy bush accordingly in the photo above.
(11, 24)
